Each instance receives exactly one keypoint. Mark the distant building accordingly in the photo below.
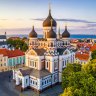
(84, 46)
(11, 58)
(45, 58)
(93, 47)
(3, 43)
(82, 57)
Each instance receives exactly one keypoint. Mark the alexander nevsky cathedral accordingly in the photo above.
(45, 58)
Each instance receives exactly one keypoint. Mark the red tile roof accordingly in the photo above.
(93, 48)
(82, 55)
(11, 53)
(83, 44)
(74, 41)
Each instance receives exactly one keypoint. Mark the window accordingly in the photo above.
(26, 80)
(51, 44)
(56, 65)
(33, 82)
(50, 79)
(5, 59)
(45, 82)
(32, 63)
(63, 63)
(47, 65)
(35, 64)
(42, 83)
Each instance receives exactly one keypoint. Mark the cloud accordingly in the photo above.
(91, 25)
(20, 19)
(37, 19)
(69, 20)
(3, 19)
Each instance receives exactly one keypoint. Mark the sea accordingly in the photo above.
(73, 36)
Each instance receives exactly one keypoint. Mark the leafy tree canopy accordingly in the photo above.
(18, 44)
(79, 81)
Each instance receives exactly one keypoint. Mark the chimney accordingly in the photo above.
(5, 33)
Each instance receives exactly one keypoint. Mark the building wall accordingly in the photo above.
(3, 60)
(46, 43)
(34, 61)
(82, 61)
(16, 60)
(54, 64)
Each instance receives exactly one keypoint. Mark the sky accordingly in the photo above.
(18, 16)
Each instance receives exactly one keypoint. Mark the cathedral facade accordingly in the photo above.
(45, 58)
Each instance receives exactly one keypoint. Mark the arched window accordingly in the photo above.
(51, 44)
(47, 65)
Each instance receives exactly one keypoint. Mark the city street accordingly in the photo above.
(7, 88)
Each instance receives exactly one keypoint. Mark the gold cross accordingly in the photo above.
(51, 22)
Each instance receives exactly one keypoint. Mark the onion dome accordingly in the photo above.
(33, 33)
(47, 22)
(65, 34)
(51, 34)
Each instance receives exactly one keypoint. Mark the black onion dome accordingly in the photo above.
(33, 33)
(65, 34)
(47, 22)
(51, 34)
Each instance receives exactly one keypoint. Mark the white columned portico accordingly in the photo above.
(17, 80)
(23, 83)
(39, 84)
(13, 74)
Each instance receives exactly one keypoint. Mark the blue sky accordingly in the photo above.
(79, 15)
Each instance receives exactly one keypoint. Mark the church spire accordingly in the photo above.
(59, 30)
(66, 26)
(49, 8)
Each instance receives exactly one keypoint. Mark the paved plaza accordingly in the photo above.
(7, 88)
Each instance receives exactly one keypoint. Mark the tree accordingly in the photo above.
(93, 55)
(81, 82)
(18, 44)
(67, 92)
(90, 69)
(24, 47)
(68, 71)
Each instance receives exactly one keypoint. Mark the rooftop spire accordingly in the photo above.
(33, 27)
(59, 30)
(65, 26)
(50, 8)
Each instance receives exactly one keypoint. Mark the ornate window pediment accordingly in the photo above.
(32, 52)
(66, 52)
(19, 73)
